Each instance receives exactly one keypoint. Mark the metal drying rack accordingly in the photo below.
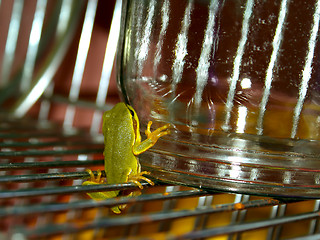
(43, 157)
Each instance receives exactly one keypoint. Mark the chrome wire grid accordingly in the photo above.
(42, 168)
(44, 154)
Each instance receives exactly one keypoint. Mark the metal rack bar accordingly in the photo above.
(55, 164)
(165, 216)
(62, 190)
(11, 41)
(50, 152)
(315, 236)
(248, 226)
(80, 63)
(42, 177)
(314, 224)
(84, 204)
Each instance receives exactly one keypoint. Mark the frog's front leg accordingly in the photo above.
(152, 138)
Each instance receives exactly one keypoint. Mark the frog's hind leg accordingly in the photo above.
(96, 180)
(136, 179)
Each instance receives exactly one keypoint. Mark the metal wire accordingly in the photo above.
(248, 226)
(45, 142)
(107, 223)
(58, 207)
(88, 145)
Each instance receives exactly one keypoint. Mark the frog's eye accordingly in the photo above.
(131, 112)
(133, 118)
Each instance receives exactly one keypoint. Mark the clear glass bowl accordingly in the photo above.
(238, 80)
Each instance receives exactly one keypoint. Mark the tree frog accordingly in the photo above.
(122, 144)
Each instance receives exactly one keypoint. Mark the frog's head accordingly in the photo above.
(123, 114)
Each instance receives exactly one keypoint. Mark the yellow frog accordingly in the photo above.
(122, 143)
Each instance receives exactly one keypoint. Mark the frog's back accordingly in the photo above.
(119, 138)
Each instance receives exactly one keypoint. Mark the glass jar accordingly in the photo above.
(238, 81)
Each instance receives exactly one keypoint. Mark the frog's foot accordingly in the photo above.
(95, 179)
(158, 133)
(104, 195)
(152, 138)
(136, 178)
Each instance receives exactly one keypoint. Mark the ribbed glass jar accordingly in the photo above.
(238, 80)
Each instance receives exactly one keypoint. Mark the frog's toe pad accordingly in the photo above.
(136, 178)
